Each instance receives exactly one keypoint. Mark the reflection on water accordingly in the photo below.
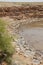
(34, 36)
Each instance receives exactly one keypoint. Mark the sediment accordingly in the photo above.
(22, 12)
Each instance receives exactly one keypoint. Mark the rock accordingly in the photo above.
(35, 62)
(17, 49)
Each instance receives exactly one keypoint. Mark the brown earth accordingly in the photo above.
(22, 12)
(19, 13)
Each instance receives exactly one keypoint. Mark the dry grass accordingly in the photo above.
(4, 4)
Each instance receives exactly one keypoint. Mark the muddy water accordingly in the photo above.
(34, 36)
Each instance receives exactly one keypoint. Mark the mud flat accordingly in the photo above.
(34, 37)
(31, 30)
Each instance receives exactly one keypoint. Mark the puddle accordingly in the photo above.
(34, 36)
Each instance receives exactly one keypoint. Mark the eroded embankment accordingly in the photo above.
(22, 12)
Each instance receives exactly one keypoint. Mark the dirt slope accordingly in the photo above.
(22, 12)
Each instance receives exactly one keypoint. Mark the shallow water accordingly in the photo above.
(34, 36)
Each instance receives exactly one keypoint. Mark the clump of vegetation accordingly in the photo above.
(25, 4)
(6, 48)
